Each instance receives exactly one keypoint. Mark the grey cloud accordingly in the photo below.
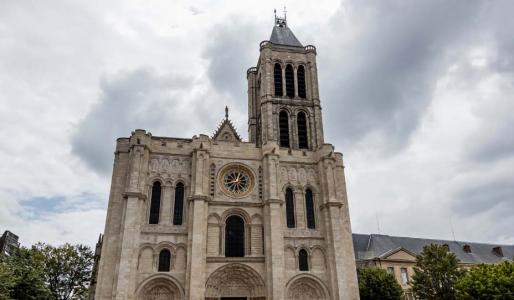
(494, 142)
(387, 72)
(131, 99)
(232, 49)
(493, 197)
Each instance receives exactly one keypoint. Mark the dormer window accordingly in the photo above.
(466, 248)
(498, 251)
(446, 247)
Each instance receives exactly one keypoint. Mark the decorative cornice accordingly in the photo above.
(271, 200)
(235, 203)
(331, 204)
(135, 195)
(223, 259)
(199, 198)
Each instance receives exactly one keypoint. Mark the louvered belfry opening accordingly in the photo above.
(309, 208)
(277, 75)
(303, 260)
(234, 237)
(301, 120)
(289, 81)
(300, 74)
(155, 203)
(290, 209)
(164, 261)
(178, 210)
(283, 121)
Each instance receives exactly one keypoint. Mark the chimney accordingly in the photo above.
(498, 251)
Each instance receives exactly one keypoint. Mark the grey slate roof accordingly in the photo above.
(371, 246)
(282, 35)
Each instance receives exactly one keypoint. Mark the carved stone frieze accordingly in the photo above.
(298, 175)
(170, 167)
(302, 233)
(151, 228)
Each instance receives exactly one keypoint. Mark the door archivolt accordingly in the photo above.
(160, 288)
(235, 280)
(306, 288)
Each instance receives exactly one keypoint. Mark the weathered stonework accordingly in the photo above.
(196, 234)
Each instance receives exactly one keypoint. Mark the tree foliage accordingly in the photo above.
(435, 273)
(375, 283)
(487, 282)
(67, 270)
(21, 277)
(44, 272)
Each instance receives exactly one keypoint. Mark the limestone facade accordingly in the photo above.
(172, 222)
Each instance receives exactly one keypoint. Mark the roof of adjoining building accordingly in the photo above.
(373, 246)
(282, 35)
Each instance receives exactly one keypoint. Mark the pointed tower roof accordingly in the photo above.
(282, 35)
(226, 131)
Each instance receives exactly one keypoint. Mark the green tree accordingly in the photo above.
(375, 283)
(67, 269)
(7, 281)
(21, 277)
(487, 282)
(435, 273)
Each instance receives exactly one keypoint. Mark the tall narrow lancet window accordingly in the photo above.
(234, 237)
(179, 204)
(303, 260)
(290, 208)
(283, 123)
(277, 76)
(155, 203)
(309, 208)
(289, 81)
(300, 75)
(164, 261)
(303, 142)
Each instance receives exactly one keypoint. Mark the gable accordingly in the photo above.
(400, 254)
(226, 132)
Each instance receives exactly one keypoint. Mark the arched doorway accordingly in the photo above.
(235, 282)
(306, 287)
(160, 288)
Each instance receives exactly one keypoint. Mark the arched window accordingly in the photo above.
(303, 260)
(290, 208)
(289, 81)
(179, 204)
(300, 75)
(301, 121)
(164, 261)
(234, 237)
(277, 76)
(309, 208)
(155, 203)
(283, 123)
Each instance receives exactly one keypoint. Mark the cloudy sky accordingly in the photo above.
(418, 95)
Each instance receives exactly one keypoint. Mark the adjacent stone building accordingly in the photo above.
(397, 254)
(8, 243)
(222, 218)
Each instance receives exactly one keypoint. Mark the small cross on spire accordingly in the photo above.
(282, 22)
(226, 112)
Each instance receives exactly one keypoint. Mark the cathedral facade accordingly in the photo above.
(221, 218)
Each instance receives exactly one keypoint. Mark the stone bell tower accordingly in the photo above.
(285, 121)
(286, 78)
